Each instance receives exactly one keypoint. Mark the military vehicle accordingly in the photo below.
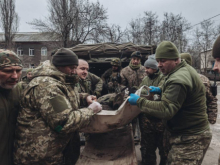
(99, 55)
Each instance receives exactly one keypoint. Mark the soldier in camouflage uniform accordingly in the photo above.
(183, 105)
(133, 74)
(111, 78)
(88, 82)
(50, 117)
(10, 72)
(211, 101)
(26, 79)
(152, 129)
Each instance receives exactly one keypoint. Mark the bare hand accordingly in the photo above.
(90, 99)
(95, 106)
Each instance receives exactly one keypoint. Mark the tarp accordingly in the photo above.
(101, 50)
(112, 148)
(105, 121)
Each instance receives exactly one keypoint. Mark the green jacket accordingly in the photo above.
(91, 85)
(183, 102)
(9, 106)
(154, 80)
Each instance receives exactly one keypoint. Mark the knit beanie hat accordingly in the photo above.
(216, 48)
(29, 70)
(167, 50)
(136, 54)
(9, 58)
(187, 57)
(151, 62)
(64, 57)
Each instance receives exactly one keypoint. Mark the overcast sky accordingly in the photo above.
(121, 12)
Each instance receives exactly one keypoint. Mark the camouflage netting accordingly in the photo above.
(108, 50)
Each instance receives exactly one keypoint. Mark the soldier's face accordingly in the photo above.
(135, 61)
(82, 69)
(29, 75)
(114, 68)
(9, 76)
(150, 71)
(216, 67)
(167, 65)
(69, 70)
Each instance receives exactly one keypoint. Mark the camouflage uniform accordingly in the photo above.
(92, 85)
(9, 107)
(211, 101)
(112, 79)
(183, 106)
(49, 119)
(130, 77)
(24, 82)
(152, 129)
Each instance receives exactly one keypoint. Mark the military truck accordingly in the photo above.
(99, 55)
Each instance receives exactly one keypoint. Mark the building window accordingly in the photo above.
(31, 51)
(20, 51)
(31, 66)
(43, 51)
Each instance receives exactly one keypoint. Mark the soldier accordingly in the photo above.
(112, 77)
(216, 55)
(183, 105)
(216, 68)
(10, 72)
(26, 79)
(152, 128)
(133, 74)
(211, 101)
(88, 82)
(50, 117)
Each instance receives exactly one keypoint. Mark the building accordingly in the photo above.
(33, 47)
(206, 61)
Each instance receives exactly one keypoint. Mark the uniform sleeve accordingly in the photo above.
(104, 75)
(98, 84)
(212, 107)
(171, 101)
(123, 79)
(58, 112)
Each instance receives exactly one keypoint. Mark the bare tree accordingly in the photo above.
(135, 31)
(9, 21)
(72, 21)
(151, 28)
(204, 38)
(173, 28)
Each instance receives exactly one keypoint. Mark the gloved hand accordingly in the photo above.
(133, 99)
(156, 90)
(95, 106)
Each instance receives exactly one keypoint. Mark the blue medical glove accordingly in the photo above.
(133, 99)
(156, 90)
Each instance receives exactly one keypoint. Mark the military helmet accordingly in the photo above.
(116, 62)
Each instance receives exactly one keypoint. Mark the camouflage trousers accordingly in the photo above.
(152, 137)
(189, 150)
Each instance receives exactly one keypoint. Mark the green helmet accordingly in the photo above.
(116, 62)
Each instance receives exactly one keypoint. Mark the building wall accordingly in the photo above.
(34, 61)
(209, 60)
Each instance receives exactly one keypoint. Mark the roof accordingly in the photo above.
(31, 37)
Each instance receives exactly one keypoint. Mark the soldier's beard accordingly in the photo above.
(6, 86)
